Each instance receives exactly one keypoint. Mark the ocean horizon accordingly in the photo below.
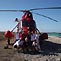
(56, 34)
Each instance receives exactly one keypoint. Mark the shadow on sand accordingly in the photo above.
(48, 48)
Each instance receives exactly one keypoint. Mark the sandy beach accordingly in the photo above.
(50, 51)
(54, 39)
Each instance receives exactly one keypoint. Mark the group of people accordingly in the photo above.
(29, 41)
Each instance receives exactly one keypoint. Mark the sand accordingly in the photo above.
(54, 39)
(50, 51)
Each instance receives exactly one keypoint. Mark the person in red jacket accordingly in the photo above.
(8, 35)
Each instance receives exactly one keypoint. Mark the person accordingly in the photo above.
(19, 42)
(33, 41)
(17, 36)
(32, 37)
(16, 40)
(37, 40)
(29, 39)
(9, 35)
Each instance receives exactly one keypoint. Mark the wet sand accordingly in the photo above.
(50, 50)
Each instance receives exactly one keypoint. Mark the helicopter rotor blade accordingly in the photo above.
(29, 9)
(45, 16)
(45, 8)
(12, 10)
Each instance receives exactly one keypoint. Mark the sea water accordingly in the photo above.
(55, 34)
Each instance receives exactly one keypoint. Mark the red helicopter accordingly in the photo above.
(27, 23)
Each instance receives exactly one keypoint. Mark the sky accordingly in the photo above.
(7, 19)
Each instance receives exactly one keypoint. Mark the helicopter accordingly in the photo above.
(27, 23)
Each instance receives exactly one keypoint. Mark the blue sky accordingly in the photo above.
(43, 24)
